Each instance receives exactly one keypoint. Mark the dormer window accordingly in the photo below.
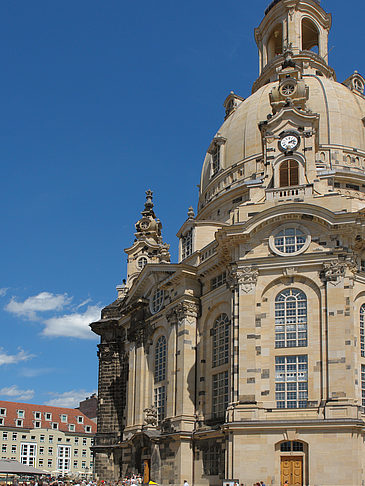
(2, 412)
(80, 419)
(64, 418)
(216, 160)
(216, 153)
(358, 85)
(142, 262)
(187, 244)
(20, 414)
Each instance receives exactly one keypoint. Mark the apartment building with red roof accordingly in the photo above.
(55, 439)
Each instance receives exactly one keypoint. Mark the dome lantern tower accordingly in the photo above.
(299, 26)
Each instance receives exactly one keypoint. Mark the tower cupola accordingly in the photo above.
(299, 26)
(148, 246)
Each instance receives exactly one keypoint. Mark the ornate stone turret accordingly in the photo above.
(148, 245)
(299, 26)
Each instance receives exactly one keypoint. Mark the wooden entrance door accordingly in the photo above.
(292, 471)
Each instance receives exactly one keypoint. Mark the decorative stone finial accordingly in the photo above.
(191, 214)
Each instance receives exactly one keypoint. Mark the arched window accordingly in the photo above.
(160, 376)
(290, 319)
(275, 43)
(160, 360)
(220, 345)
(142, 262)
(362, 330)
(310, 36)
(289, 173)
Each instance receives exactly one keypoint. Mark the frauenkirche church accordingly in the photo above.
(246, 360)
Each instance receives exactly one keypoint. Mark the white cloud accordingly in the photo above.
(16, 393)
(3, 291)
(87, 301)
(34, 372)
(73, 325)
(70, 399)
(43, 302)
(14, 358)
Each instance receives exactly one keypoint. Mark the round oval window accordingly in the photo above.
(157, 300)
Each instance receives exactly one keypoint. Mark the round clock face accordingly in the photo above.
(289, 142)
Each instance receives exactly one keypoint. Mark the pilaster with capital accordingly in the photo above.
(246, 340)
(340, 347)
(184, 319)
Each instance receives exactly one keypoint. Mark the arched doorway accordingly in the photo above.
(293, 462)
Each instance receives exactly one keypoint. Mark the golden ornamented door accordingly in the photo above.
(292, 471)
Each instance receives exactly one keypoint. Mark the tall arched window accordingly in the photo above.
(310, 36)
(362, 330)
(220, 334)
(289, 173)
(275, 42)
(290, 319)
(160, 377)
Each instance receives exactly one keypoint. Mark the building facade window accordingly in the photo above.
(63, 458)
(290, 319)
(292, 446)
(160, 359)
(84, 441)
(362, 330)
(220, 335)
(290, 240)
(160, 402)
(219, 394)
(289, 173)
(14, 436)
(218, 281)
(291, 381)
(157, 301)
(142, 262)
(187, 244)
(160, 377)
(216, 158)
(28, 453)
(13, 449)
(213, 459)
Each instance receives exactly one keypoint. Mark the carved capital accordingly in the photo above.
(334, 271)
(245, 277)
(184, 310)
(139, 333)
(187, 310)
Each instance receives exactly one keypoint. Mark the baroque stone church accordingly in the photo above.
(246, 359)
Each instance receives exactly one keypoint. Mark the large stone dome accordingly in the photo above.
(326, 117)
(341, 127)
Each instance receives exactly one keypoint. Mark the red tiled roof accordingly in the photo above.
(29, 418)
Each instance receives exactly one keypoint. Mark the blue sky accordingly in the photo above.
(99, 102)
